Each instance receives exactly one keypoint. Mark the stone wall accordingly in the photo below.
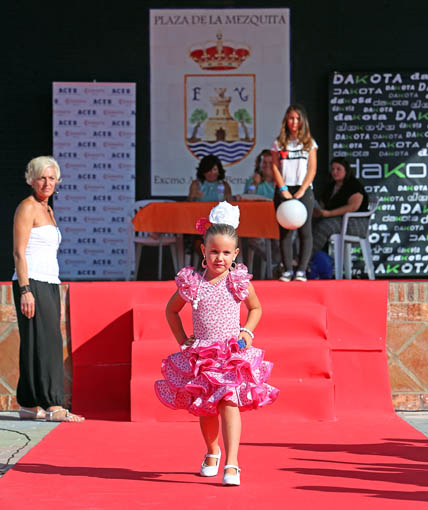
(9, 347)
(406, 345)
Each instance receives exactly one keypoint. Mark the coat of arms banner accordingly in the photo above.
(220, 84)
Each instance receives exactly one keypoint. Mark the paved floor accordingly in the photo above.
(17, 437)
(417, 419)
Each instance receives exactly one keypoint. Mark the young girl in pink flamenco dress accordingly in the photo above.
(217, 372)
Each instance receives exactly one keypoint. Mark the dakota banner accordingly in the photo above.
(94, 143)
(379, 122)
(219, 85)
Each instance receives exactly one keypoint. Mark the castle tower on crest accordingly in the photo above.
(221, 126)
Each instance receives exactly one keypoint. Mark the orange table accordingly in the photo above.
(257, 219)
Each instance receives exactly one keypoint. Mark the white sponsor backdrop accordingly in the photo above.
(94, 143)
(220, 84)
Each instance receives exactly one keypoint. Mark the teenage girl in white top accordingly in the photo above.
(294, 164)
(36, 239)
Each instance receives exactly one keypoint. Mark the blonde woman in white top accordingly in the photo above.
(36, 239)
(294, 164)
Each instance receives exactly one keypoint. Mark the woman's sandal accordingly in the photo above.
(30, 414)
(66, 416)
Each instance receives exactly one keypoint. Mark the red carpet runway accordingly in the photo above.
(354, 463)
(330, 441)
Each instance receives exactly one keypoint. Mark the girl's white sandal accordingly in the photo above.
(231, 479)
(210, 470)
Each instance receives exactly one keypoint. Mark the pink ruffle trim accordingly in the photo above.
(197, 379)
(187, 280)
(238, 281)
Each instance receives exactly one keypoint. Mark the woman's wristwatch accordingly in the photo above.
(24, 289)
(284, 187)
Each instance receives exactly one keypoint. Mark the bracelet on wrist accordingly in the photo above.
(284, 187)
(24, 289)
(246, 330)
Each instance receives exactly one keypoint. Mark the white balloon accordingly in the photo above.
(291, 214)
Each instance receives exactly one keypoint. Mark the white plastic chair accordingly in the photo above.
(140, 239)
(342, 244)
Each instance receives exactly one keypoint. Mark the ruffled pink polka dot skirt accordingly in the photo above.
(200, 376)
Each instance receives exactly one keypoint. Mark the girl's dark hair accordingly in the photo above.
(346, 165)
(205, 165)
(221, 229)
(259, 159)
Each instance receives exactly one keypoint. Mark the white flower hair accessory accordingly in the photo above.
(225, 213)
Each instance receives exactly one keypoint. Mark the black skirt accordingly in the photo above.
(41, 370)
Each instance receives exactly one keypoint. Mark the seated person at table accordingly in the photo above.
(209, 185)
(261, 183)
(344, 193)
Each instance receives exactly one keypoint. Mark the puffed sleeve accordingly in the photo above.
(239, 281)
(187, 280)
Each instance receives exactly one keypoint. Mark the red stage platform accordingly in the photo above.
(330, 441)
(326, 338)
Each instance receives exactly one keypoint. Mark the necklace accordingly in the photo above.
(199, 298)
(47, 207)
(51, 216)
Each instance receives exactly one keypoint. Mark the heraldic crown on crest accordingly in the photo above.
(219, 55)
